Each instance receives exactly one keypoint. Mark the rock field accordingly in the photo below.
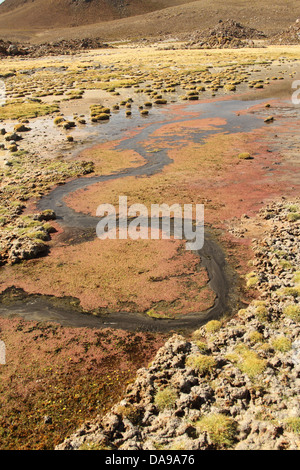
(236, 384)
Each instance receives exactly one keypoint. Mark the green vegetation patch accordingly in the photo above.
(220, 428)
(252, 279)
(201, 363)
(165, 398)
(213, 326)
(27, 109)
(292, 311)
(282, 344)
(293, 425)
(247, 361)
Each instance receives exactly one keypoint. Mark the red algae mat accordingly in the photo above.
(210, 173)
(55, 378)
(161, 277)
(119, 275)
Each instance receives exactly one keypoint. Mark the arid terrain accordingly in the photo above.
(145, 101)
(43, 20)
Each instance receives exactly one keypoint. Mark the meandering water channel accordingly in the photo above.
(221, 277)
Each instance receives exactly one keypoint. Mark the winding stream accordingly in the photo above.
(221, 278)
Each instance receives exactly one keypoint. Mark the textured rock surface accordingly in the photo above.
(236, 384)
(71, 46)
(227, 34)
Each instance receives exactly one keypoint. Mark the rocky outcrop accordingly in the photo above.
(226, 34)
(61, 47)
(289, 36)
(27, 240)
(236, 383)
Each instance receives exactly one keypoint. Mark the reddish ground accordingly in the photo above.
(210, 173)
(120, 275)
(107, 160)
(63, 373)
(161, 276)
(66, 374)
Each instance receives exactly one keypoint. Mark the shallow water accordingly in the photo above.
(154, 161)
(132, 134)
(48, 308)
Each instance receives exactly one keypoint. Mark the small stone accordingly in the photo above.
(47, 419)
(269, 119)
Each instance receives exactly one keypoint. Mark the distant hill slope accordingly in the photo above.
(44, 20)
(56, 13)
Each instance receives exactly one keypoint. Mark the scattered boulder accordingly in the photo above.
(226, 34)
(13, 137)
(46, 215)
(21, 128)
(24, 249)
(245, 156)
(269, 119)
(62, 47)
(13, 50)
(289, 36)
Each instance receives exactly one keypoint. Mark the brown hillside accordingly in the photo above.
(56, 13)
(46, 20)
